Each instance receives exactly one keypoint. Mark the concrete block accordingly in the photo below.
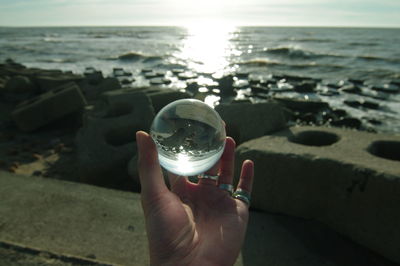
(346, 179)
(245, 121)
(92, 90)
(89, 225)
(106, 141)
(48, 107)
(52, 81)
(159, 97)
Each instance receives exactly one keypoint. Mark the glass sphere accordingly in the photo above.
(189, 135)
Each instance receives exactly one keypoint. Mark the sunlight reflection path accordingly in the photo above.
(208, 48)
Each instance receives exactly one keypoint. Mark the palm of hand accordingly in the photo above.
(199, 223)
(192, 224)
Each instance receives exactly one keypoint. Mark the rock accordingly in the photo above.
(259, 89)
(226, 85)
(358, 82)
(305, 86)
(352, 103)
(388, 88)
(245, 121)
(160, 81)
(48, 107)
(146, 70)
(351, 88)
(242, 74)
(177, 71)
(187, 75)
(301, 104)
(192, 87)
(118, 72)
(395, 82)
(339, 112)
(106, 142)
(126, 81)
(349, 180)
(93, 76)
(362, 103)
(370, 105)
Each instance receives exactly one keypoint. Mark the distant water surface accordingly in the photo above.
(331, 54)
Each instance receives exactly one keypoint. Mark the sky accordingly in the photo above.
(353, 13)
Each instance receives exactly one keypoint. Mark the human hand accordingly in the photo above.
(192, 224)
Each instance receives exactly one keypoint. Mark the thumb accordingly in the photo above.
(150, 174)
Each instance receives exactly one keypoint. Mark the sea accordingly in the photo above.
(334, 55)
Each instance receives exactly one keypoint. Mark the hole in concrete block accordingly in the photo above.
(121, 136)
(385, 149)
(314, 138)
(119, 109)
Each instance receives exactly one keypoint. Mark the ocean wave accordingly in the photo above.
(314, 65)
(259, 62)
(363, 44)
(51, 40)
(317, 40)
(134, 56)
(297, 53)
(378, 58)
(57, 60)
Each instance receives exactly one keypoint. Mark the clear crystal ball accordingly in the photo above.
(189, 135)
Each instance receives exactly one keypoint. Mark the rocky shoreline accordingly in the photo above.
(81, 128)
(49, 116)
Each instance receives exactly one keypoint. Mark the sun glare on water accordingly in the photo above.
(207, 47)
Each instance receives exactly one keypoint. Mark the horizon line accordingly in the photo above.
(183, 26)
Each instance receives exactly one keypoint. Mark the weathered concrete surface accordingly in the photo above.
(92, 89)
(330, 175)
(106, 141)
(245, 121)
(77, 223)
(48, 107)
(160, 97)
(54, 80)
(72, 219)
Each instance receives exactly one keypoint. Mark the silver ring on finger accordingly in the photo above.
(226, 187)
(242, 195)
(211, 177)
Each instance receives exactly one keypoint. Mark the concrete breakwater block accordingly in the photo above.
(90, 225)
(245, 121)
(346, 179)
(93, 88)
(48, 107)
(51, 81)
(148, 100)
(106, 141)
(159, 97)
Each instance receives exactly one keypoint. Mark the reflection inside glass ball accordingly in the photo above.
(189, 135)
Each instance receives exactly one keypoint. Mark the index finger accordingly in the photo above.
(150, 174)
